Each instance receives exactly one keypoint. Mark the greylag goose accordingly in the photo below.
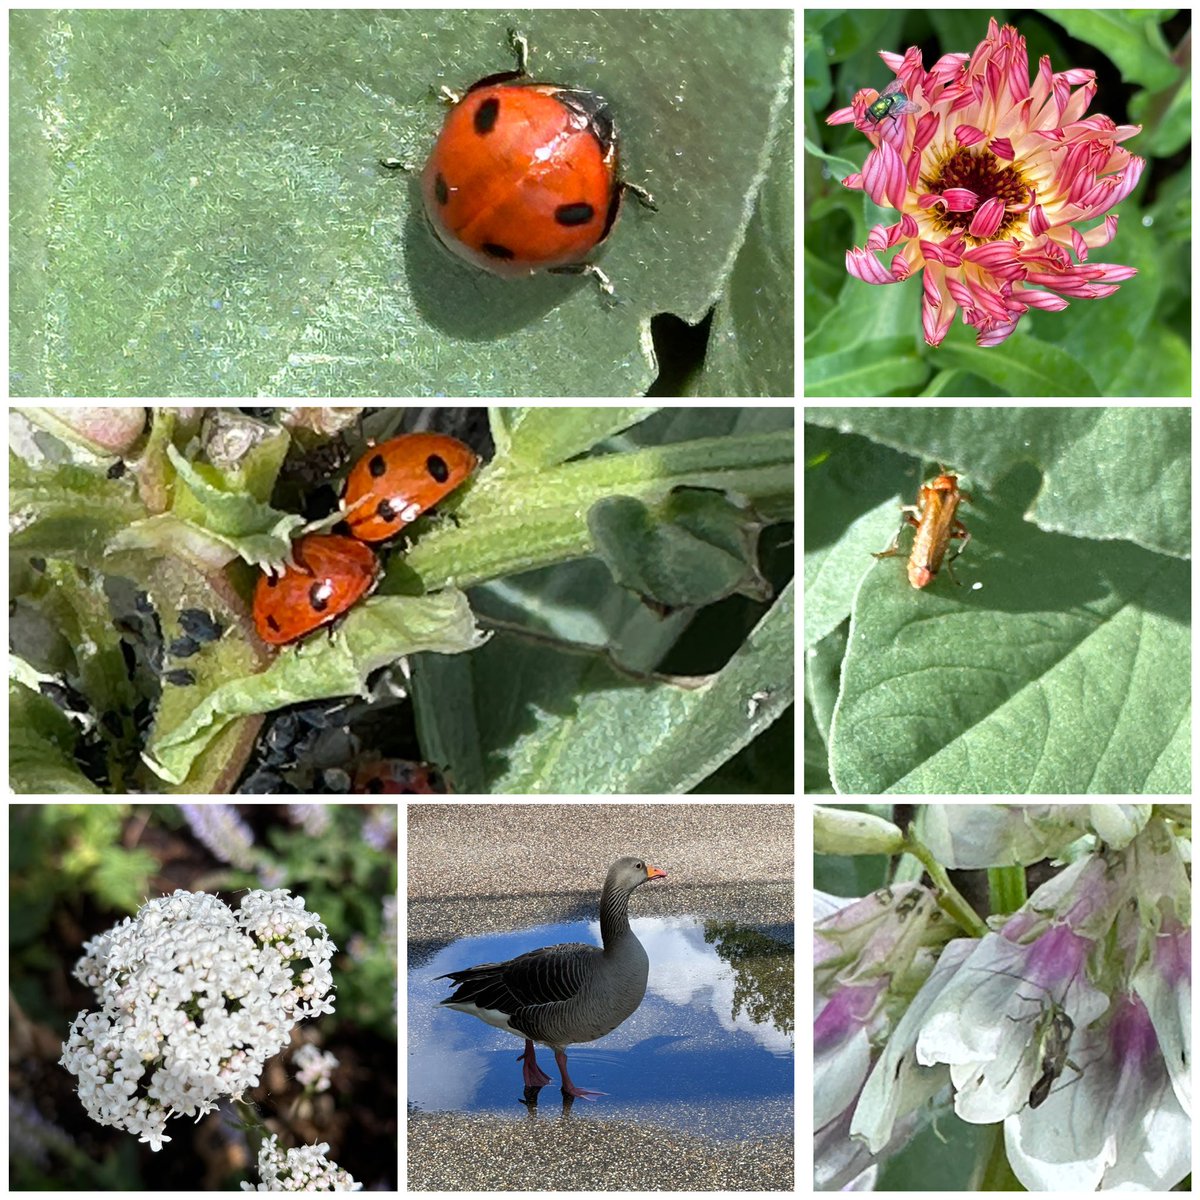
(560, 995)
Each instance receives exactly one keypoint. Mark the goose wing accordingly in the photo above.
(550, 975)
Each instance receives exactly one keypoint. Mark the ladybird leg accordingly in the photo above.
(520, 47)
(641, 193)
(397, 164)
(449, 96)
(602, 281)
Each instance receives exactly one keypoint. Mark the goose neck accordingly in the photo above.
(614, 916)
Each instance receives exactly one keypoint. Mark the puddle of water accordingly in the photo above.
(709, 1050)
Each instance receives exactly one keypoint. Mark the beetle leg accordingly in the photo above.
(957, 530)
(911, 513)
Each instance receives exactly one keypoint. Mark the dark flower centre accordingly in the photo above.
(980, 171)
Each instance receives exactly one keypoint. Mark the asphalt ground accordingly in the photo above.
(541, 862)
(491, 867)
(451, 1152)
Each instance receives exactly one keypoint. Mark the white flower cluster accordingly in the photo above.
(313, 1068)
(303, 1170)
(194, 998)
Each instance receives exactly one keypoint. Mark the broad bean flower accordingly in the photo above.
(193, 999)
(993, 174)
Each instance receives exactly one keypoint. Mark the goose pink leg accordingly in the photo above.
(568, 1087)
(534, 1075)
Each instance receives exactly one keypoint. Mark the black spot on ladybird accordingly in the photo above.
(486, 115)
(436, 465)
(579, 213)
(385, 512)
(377, 466)
(441, 190)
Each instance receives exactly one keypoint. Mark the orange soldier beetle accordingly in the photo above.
(933, 516)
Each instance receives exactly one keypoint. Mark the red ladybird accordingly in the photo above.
(397, 776)
(395, 482)
(523, 177)
(330, 575)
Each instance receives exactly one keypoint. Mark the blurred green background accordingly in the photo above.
(77, 869)
(866, 340)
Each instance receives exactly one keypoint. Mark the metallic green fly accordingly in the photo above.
(891, 102)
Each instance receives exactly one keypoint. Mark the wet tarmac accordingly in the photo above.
(687, 1110)
(450, 1152)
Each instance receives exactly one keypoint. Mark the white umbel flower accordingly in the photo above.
(194, 998)
(305, 1169)
(314, 1068)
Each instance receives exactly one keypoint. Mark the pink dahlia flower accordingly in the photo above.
(992, 175)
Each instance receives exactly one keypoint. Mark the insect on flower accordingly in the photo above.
(1046, 1053)
(935, 522)
(1054, 1032)
(891, 102)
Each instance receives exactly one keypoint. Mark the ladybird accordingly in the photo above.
(330, 574)
(395, 482)
(397, 776)
(524, 176)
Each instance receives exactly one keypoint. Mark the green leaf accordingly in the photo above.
(41, 745)
(595, 728)
(122, 877)
(377, 632)
(697, 549)
(1131, 39)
